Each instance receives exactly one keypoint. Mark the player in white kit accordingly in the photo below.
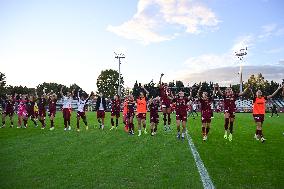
(67, 101)
(81, 110)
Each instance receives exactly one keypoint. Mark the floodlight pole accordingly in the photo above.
(240, 56)
(119, 56)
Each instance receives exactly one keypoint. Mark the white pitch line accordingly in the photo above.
(205, 178)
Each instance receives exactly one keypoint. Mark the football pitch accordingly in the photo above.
(35, 158)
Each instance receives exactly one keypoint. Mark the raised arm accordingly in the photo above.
(190, 93)
(199, 90)
(245, 91)
(72, 93)
(160, 82)
(147, 92)
(92, 93)
(35, 94)
(78, 94)
(219, 90)
(61, 91)
(275, 92)
(214, 91)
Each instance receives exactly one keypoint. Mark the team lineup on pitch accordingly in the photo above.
(136, 116)
(141, 94)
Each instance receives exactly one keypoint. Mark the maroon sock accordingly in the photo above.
(207, 130)
(226, 123)
(169, 119)
(203, 131)
(51, 123)
(78, 125)
(65, 123)
(42, 123)
(231, 127)
(165, 119)
(25, 123)
(260, 133)
(112, 122)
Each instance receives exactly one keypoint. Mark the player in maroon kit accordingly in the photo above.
(154, 105)
(166, 99)
(8, 110)
(230, 98)
(42, 102)
(181, 103)
(30, 105)
(52, 100)
(130, 114)
(206, 111)
(115, 111)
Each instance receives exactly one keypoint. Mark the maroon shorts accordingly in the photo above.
(9, 113)
(154, 119)
(166, 104)
(258, 117)
(52, 113)
(231, 113)
(129, 115)
(66, 113)
(100, 114)
(206, 117)
(31, 114)
(42, 113)
(81, 114)
(116, 114)
(181, 117)
(141, 116)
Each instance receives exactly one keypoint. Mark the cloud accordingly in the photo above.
(224, 68)
(271, 30)
(229, 75)
(275, 50)
(160, 20)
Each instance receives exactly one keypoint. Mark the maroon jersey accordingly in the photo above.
(115, 106)
(229, 102)
(130, 107)
(164, 93)
(41, 104)
(30, 106)
(9, 106)
(154, 109)
(52, 105)
(181, 105)
(205, 104)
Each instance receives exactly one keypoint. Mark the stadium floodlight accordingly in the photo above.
(119, 56)
(240, 56)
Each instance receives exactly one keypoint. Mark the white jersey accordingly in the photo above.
(101, 105)
(67, 101)
(81, 105)
(194, 106)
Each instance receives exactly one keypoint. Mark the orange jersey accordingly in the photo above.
(125, 104)
(259, 105)
(141, 105)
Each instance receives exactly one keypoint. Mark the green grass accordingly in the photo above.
(35, 158)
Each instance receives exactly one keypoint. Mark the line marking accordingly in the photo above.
(205, 178)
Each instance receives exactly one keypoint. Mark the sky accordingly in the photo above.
(72, 41)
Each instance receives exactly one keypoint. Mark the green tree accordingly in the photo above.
(107, 83)
(2, 84)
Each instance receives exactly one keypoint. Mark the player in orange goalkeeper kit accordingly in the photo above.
(259, 111)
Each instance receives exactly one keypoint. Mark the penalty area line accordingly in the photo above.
(204, 176)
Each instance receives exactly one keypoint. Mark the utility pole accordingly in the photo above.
(119, 56)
